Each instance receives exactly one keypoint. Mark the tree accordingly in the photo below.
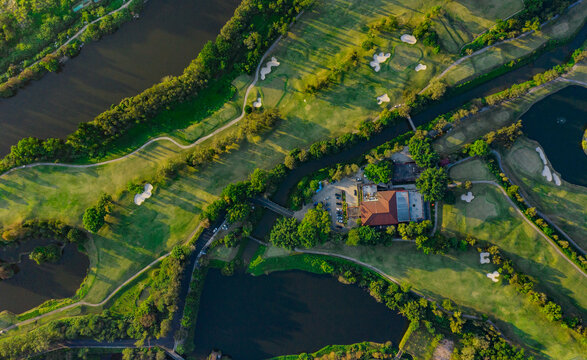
(284, 233)
(363, 235)
(259, 180)
(379, 173)
(479, 148)
(432, 183)
(314, 228)
(422, 151)
(93, 220)
(553, 311)
(238, 212)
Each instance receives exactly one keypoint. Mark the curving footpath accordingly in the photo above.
(512, 204)
(166, 138)
(156, 261)
(542, 215)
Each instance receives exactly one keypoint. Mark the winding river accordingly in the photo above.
(287, 313)
(168, 35)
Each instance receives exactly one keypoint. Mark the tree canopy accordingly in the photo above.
(422, 151)
(379, 173)
(432, 183)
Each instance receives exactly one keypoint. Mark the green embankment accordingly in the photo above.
(134, 236)
(566, 205)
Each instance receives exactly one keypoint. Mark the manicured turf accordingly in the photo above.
(566, 205)
(559, 29)
(476, 126)
(471, 170)
(459, 277)
(134, 236)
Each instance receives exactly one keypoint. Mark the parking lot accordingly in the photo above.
(331, 197)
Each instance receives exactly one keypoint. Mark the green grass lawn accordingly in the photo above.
(558, 30)
(459, 277)
(134, 236)
(504, 114)
(566, 205)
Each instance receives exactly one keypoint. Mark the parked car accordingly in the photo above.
(339, 203)
(340, 221)
(355, 192)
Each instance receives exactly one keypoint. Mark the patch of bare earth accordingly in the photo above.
(444, 350)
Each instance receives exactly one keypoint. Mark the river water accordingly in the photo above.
(557, 123)
(287, 313)
(34, 284)
(168, 35)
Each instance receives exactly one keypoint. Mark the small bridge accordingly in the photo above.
(276, 208)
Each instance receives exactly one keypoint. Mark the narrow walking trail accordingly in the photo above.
(166, 138)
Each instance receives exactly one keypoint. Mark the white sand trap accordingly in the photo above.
(557, 179)
(409, 39)
(547, 173)
(541, 153)
(267, 68)
(493, 276)
(420, 67)
(484, 258)
(379, 59)
(383, 98)
(140, 198)
(467, 197)
(258, 103)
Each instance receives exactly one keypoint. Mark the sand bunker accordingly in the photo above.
(484, 258)
(467, 197)
(547, 173)
(493, 276)
(420, 67)
(541, 153)
(409, 39)
(267, 68)
(140, 198)
(379, 59)
(257, 103)
(383, 98)
(557, 179)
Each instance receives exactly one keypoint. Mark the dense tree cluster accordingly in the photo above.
(44, 229)
(421, 150)
(43, 254)
(313, 229)
(94, 217)
(432, 183)
(379, 173)
(425, 33)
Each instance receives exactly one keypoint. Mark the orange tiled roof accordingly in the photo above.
(382, 211)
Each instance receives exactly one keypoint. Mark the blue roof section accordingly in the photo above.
(403, 206)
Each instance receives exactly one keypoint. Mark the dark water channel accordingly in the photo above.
(557, 123)
(168, 35)
(286, 313)
(34, 284)
(540, 64)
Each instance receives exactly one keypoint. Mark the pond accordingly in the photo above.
(168, 35)
(287, 313)
(34, 284)
(558, 123)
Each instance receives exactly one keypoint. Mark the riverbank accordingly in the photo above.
(142, 233)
